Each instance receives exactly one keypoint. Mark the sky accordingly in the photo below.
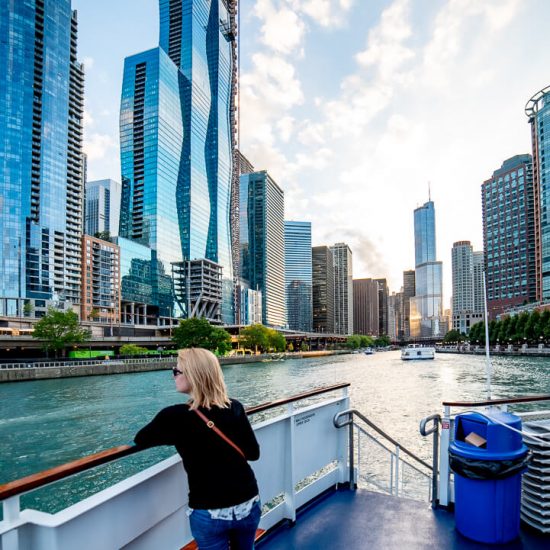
(359, 109)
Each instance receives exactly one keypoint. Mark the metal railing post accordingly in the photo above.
(444, 472)
(11, 509)
(396, 471)
(352, 481)
(290, 482)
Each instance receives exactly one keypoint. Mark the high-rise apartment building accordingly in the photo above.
(509, 235)
(298, 275)
(426, 318)
(467, 275)
(366, 310)
(538, 112)
(102, 207)
(100, 280)
(323, 289)
(262, 238)
(409, 285)
(41, 160)
(383, 293)
(395, 316)
(343, 288)
(177, 126)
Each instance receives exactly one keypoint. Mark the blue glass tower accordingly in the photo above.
(176, 141)
(41, 161)
(298, 275)
(427, 304)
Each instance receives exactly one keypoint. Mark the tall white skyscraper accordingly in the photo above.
(343, 288)
(102, 211)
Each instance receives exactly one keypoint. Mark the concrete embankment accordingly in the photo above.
(68, 370)
(514, 352)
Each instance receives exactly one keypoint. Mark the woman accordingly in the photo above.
(223, 493)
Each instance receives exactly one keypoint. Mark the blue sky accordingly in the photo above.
(354, 106)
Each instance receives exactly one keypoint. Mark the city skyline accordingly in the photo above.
(296, 123)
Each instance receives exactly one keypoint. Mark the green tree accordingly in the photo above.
(255, 337)
(304, 346)
(354, 341)
(27, 309)
(59, 329)
(276, 341)
(199, 333)
(382, 341)
(132, 349)
(103, 235)
(452, 337)
(532, 327)
(94, 314)
(366, 341)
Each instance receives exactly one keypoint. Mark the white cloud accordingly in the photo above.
(88, 62)
(327, 13)
(282, 29)
(97, 146)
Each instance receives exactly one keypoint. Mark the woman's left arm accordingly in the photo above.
(159, 431)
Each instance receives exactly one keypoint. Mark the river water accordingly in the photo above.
(50, 422)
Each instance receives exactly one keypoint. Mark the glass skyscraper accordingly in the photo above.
(41, 161)
(298, 275)
(323, 289)
(262, 237)
(538, 112)
(343, 288)
(426, 306)
(177, 144)
(102, 211)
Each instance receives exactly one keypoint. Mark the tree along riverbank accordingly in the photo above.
(508, 350)
(21, 372)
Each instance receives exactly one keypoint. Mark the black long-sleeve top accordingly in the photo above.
(218, 475)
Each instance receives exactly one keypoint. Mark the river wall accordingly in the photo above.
(113, 366)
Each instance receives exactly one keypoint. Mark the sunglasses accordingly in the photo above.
(176, 372)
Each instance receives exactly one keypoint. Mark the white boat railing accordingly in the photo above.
(303, 455)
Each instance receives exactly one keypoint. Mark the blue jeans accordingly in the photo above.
(221, 534)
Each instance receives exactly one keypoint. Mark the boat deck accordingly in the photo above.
(361, 519)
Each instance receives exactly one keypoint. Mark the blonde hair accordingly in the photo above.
(202, 369)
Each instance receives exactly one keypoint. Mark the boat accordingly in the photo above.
(368, 351)
(417, 351)
(320, 485)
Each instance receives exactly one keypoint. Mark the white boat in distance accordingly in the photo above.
(417, 351)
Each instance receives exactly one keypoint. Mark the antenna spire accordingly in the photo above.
(429, 191)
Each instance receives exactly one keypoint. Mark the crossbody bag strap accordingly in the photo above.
(213, 427)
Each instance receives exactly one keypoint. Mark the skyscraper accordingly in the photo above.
(343, 288)
(426, 306)
(102, 207)
(538, 113)
(41, 160)
(262, 238)
(467, 270)
(298, 275)
(323, 289)
(366, 310)
(177, 146)
(509, 235)
(383, 294)
(408, 293)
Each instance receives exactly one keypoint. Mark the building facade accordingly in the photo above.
(262, 238)
(343, 288)
(426, 316)
(41, 159)
(509, 235)
(177, 146)
(298, 275)
(467, 307)
(323, 289)
(538, 113)
(383, 293)
(102, 207)
(100, 280)
(366, 310)
(409, 285)
(395, 316)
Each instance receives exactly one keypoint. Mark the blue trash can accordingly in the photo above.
(487, 475)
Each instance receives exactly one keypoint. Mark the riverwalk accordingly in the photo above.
(22, 372)
(505, 351)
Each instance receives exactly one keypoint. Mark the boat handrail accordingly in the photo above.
(505, 401)
(350, 412)
(40, 479)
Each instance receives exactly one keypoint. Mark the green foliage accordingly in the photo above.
(290, 347)
(382, 341)
(27, 309)
(132, 349)
(103, 235)
(304, 346)
(366, 341)
(354, 341)
(94, 313)
(258, 337)
(59, 329)
(199, 333)
(453, 336)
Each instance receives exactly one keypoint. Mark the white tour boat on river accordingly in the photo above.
(417, 351)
